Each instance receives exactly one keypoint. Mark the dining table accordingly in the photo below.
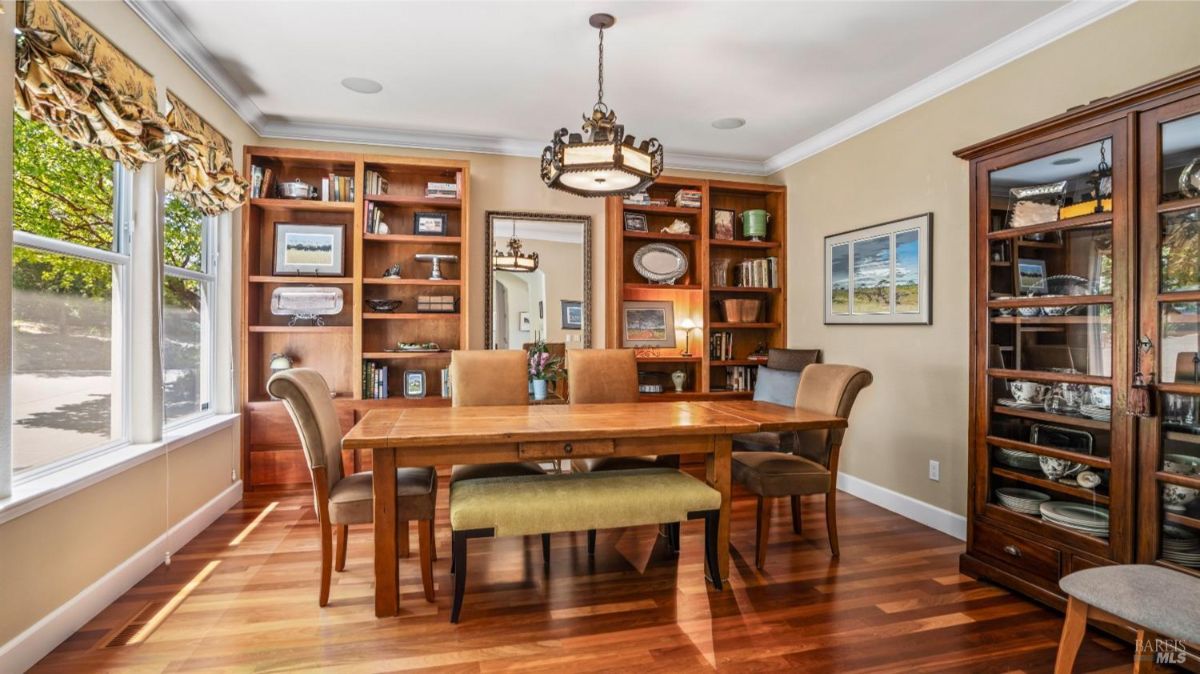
(438, 436)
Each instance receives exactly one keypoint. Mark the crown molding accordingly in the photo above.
(1059, 23)
(1062, 21)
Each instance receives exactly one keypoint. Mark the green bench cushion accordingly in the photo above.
(547, 504)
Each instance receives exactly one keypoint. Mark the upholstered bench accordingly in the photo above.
(546, 504)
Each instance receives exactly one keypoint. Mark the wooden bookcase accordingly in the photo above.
(695, 296)
(341, 348)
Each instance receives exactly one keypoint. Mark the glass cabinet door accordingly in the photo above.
(1052, 324)
(1169, 345)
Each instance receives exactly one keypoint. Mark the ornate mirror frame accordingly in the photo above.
(489, 221)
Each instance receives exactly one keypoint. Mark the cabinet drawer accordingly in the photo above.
(1036, 558)
(565, 449)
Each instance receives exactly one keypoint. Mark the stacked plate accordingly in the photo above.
(1025, 501)
(1096, 412)
(1180, 545)
(1015, 458)
(1019, 404)
(1089, 519)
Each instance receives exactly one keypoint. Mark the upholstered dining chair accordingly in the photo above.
(812, 467)
(342, 500)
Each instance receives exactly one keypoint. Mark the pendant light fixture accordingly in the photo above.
(513, 259)
(602, 161)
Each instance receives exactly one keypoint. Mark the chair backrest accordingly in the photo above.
(305, 395)
(831, 389)
(479, 378)
(793, 360)
(602, 376)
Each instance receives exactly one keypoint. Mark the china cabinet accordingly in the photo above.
(1085, 271)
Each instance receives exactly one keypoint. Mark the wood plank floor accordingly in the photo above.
(894, 601)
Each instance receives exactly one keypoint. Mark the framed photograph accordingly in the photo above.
(881, 274)
(1033, 276)
(648, 324)
(723, 220)
(572, 314)
(414, 383)
(636, 222)
(309, 250)
(523, 323)
(430, 223)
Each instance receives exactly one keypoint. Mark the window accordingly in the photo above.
(70, 262)
(189, 286)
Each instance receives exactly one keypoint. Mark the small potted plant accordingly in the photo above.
(543, 368)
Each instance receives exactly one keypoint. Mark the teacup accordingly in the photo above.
(1176, 497)
(1027, 391)
(1056, 469)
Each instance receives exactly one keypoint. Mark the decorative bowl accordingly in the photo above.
(1029, 311)
(742, 310)
(1055, 311)
(383, 305)
(1176, 497)
(1181, 464)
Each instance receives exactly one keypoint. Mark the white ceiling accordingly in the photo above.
(501, 76)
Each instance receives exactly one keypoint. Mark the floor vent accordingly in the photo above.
(122, 636)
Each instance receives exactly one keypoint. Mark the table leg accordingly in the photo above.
(717, 469)
(387, 570)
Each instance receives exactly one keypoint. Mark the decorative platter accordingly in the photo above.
(660, 263)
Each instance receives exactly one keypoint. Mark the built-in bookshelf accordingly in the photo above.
(355, 348)
(721, 361)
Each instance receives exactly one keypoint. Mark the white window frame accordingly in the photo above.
(120, 259)
(207, 277)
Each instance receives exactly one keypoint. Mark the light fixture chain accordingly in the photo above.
(600, 79)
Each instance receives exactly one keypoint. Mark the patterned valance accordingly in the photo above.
(71, 78)
(199, 166)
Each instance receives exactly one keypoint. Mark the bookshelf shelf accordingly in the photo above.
(303, 205)
(413, 238)
(431, 202)
(411, 282)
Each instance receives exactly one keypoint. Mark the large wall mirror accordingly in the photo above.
(539, 280)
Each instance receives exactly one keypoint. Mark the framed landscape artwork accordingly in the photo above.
(648, 324)
(310, 250)
(881, 274)
(572, 314)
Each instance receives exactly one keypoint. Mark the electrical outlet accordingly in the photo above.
(934, 470)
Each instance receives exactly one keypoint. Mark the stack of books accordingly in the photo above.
(434, 190)
(687, 198)
(760, 273)
(260, 182)
(375, 381)
(740, 378)
(643, 199)
(376, 183)
(374, 218)
(337, 188)
(436, 304)
(720, 346)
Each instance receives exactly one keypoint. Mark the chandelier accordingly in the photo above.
(602, 161)
(513, 259)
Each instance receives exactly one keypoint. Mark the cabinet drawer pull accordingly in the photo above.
(567, 448)
(1013, 550)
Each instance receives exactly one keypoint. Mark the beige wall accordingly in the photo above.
(917, 408)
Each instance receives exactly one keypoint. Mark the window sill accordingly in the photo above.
(41, 491)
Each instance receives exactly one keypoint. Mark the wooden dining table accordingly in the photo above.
(429, 436)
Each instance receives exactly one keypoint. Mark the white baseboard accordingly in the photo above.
(918, 511)
(38, 640)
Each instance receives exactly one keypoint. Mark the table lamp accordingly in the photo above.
(688, 325)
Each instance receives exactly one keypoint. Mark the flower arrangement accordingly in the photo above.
(543, 366)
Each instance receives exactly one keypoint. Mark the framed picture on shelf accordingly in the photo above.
(572, 314)
(881, 274)
(636, 222)
(430, 223)
(414, 383)
(1032, 274)
(309, 250)
(648, 324)
(723, 219)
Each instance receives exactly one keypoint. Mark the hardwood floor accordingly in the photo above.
(893, 602)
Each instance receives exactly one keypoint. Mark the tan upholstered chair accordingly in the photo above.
(340, 499)
(812, 468)
(483, 378)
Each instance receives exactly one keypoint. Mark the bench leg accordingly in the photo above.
(458, 544)
(591, 542)
(1074, 628)
(673, 537)
(1144, 653)
(712, 528)
(546, 550)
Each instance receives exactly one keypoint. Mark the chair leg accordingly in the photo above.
(343, 535)
(402, 539)
(326, 562)
(831, 520)
(1074, 627)
(425, 542)
(458, 545)
(591, 542)
(546, 550)
(762, 532)
(432, 538)
(712, 525)
(797, 524)
(673, 537)
(1144, 654)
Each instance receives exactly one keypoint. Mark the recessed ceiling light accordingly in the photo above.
(1065, 161)
(362, 85)
(729, 123)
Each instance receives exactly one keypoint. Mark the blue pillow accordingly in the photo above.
(776, 386)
